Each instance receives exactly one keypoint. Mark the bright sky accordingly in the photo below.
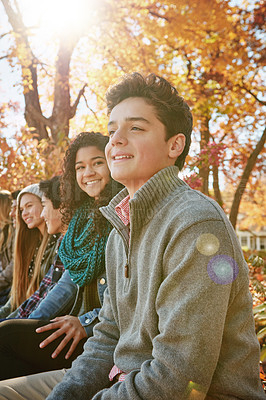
(60, 16)
(47, 19)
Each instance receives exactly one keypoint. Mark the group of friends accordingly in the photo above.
(118, 280)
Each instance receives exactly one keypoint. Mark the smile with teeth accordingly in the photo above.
(121, 157)
(92, 182)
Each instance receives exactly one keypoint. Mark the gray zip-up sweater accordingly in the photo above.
(181, 323)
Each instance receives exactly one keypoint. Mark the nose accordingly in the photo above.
(89, 171)
(118, 138)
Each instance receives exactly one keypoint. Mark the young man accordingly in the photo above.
(177, 316)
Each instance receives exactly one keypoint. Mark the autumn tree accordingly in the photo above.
(213, 54)
(211, 51)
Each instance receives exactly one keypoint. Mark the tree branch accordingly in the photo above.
(252, 94)
(5, 34)
(73, 108)
(93, 112)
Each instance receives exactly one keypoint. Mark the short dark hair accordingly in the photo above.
(171, 109)
(51, 190)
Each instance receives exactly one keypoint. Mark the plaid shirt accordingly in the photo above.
(122, 210)
(29, 305)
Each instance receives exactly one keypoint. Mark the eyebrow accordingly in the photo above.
(28, 202)
(92, 159)
(130, 119)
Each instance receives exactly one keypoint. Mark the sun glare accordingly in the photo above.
(59, 16)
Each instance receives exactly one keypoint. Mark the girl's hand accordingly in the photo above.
(68, 325)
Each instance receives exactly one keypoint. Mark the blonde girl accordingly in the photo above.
(33, 248)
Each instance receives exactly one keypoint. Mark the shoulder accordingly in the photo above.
(190, 206)
(189, 212)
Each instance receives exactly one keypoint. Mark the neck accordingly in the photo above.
(133, 187)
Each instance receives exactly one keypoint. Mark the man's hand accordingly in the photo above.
(68, 325)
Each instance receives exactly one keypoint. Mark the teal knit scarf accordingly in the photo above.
(82, 250)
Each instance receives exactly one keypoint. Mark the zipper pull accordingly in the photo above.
(126, 270)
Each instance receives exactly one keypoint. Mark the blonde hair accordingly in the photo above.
(5, 220)
(26, 245)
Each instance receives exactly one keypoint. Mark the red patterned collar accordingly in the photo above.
(122, 210)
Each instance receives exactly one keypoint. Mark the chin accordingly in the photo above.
(119, 177)
(94, 194)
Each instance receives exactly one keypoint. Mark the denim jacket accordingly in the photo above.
(62, 298)
(90, 318)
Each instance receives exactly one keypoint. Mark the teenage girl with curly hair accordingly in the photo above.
(85, 186)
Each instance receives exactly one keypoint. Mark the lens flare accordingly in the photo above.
(207, 244)
(222, 269)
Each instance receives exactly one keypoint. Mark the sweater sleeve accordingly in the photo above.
(89, 372)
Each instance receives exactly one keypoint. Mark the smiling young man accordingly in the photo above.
(177, 320)
(135, 161)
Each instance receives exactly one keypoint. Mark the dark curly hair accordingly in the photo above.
(171, 109)
(71, 194)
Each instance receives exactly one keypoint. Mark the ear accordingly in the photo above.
(176, 145)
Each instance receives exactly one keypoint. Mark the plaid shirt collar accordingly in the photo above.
(122, 210)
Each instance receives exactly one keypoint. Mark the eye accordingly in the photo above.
(100, 162)
(111, 133)
(79, 167)
(136, 128)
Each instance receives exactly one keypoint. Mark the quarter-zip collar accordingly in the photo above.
(147, 200)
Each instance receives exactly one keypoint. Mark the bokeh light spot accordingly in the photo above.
(207, 244)
(222, 269)
(195, 391)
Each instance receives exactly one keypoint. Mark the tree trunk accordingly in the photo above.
(244, 179)
(216, 187)
(59, 120)
(205, 170)
(29, 73)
